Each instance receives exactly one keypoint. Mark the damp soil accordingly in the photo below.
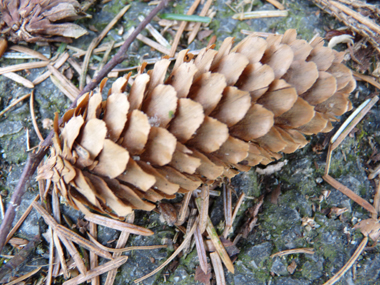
(279, 226)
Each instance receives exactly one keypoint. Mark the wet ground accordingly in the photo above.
(279, 226)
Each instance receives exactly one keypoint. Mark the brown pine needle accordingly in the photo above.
(182, 27)
(121, 242)
(197, 26)
(93, 257)
(61, 255)
(218, 268)
(21, 220)
(27, 275)
(29, 51)
(294, 251)
(216, 241)
(178, 250)
(349, 264)
(34, 121)
(59, 62)
(203, 210)
(19, 79)
(120, 250)
(117, 262)
(23, 66)
(201, 249)
(276, 4)
(349, 193)
(227, 205)
(95, 42)
(63, 83)
(154, 44)
(184, 208)
(14, 103)
(366, 78)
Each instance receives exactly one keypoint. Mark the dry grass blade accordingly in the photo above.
(21, 220)
(177, 251)
(29, 51)
(349, 193)
(23, 66)
(216, 241)
(121, 242)
(14, 103)
(110, 265)
(294, 251)
(19, 79)
(21, 278)
(95, 43)
(182, 27)
(201, 249)
(197, 26)
(218, 268)
(259, 15)
(349, 264)
(34, 121)
(121, 250)
(203, 210)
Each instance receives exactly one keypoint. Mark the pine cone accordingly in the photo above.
(36, 21)
(215, 115)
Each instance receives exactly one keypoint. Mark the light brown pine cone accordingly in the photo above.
(215, 115)
(39, 21)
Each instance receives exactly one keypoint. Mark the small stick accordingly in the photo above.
(349, 264)
(19, 258)
(21, 220)
(19, 79)
(34, 121)
(218, 268)
(176, 252)
(197, 26)
(182, 27)
(14, 103)
(110, 265)
(95, 42)
(293, 251)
